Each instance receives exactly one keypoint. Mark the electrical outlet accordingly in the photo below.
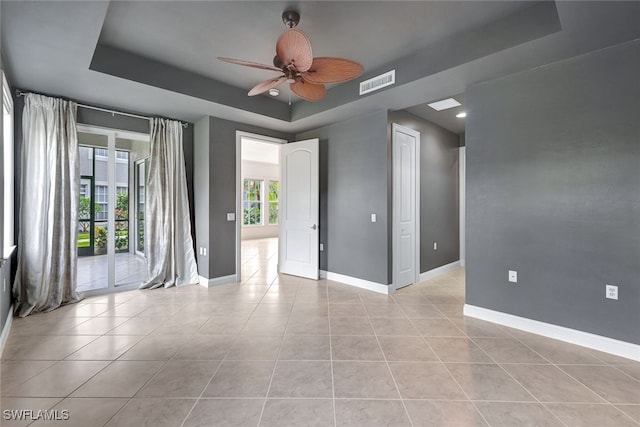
(611, 292)
(513, 276)
(435, 246)
(231, 216)
(205, 251)
(374, 217)
(321, 247)
(200, 250)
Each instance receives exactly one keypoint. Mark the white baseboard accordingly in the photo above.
(217, 281)
(573, 336)
(5, 331)
(439, 270)
(358, 283)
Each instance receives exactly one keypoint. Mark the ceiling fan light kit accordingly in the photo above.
(294, 59)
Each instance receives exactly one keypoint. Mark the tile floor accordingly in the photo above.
(283, 351)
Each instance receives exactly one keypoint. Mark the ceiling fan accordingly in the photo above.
(294, 59)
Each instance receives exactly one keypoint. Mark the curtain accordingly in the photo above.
(46, 274)
(171, 257)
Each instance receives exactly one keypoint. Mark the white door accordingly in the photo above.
(406, 207)
(299, 234)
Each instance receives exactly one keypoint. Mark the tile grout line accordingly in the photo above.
(472, 339)
(393, 378)
(451, 375)
(275, 365)
(333, 384)
(201, 393)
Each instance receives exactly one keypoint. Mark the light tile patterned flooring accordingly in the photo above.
(283, 351)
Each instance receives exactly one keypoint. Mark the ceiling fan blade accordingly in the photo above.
(332, 70)
(308, 91)
(249, 64)
(294, 47)
(266, 85)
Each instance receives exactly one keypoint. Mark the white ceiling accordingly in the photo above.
(158, 57)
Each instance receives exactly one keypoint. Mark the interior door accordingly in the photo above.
(299, 194)
(406, 244)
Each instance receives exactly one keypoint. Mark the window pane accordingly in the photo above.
(102, 202)
(274, 197)
(86, 160)
(252, 197)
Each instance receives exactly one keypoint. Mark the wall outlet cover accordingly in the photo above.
(611, 292)
(231, 216)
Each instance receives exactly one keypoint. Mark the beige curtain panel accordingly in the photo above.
(46, 275)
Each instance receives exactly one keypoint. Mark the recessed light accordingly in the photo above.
(461, 115)
(444, 104)
(274, 92)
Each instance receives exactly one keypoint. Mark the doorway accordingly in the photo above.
(111, 209)
(258, 210)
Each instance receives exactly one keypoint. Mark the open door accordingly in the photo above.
(299, 194)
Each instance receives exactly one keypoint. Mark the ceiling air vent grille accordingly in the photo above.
(378, 82)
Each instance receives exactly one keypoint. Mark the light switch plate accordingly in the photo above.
(513, 276)
(374, 217)
(231, 216)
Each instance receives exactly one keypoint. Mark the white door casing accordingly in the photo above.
(299, 209)
(406, 206)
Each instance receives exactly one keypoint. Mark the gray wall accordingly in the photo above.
(5, 269)
(439, 200)
(354, 183)
(201, 204)
(220, 188)
(553, 182)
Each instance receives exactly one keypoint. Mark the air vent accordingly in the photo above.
(378, 82)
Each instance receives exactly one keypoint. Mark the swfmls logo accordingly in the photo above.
(32, 415)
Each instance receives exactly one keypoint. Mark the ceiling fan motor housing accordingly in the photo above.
(291, 18)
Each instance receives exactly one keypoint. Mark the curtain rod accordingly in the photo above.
(20, 93)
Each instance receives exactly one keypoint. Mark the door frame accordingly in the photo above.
(238, 218)
(112, 134)
(394, 233)
(462, 188)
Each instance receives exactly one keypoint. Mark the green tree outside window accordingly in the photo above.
(252, 201)
(274, 202)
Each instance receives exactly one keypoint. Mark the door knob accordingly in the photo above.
(313, 227)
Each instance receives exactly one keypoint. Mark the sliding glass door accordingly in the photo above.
(108, 254)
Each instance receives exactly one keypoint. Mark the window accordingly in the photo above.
(122, 155)
(84, 190)
(101, 152)
(274, 202)
(102, 202)
(7, 167)
(252, 201)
